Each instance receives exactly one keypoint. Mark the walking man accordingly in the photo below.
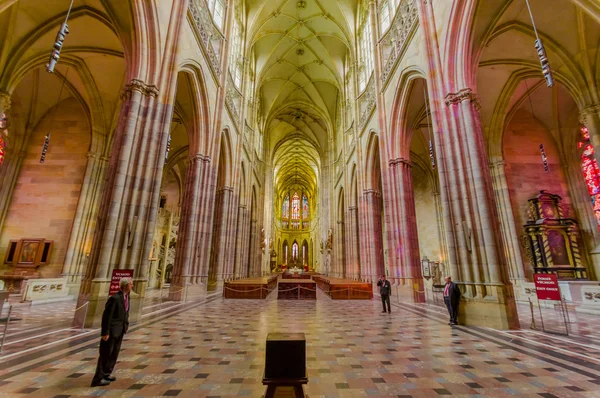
(115, 321)
(451, 298)
(385, 290)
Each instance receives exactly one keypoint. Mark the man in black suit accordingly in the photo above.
(115, 321)
(451, 298)
(385, 290)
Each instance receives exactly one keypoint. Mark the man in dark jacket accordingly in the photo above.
(115, 321)
(451, 298)
(385, 290)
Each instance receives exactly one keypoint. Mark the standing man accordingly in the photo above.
(115, 321)
(385, 290)
(451, 298)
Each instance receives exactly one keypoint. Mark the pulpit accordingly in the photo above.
(551, 241)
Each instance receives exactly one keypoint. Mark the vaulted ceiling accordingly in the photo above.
(300, 49)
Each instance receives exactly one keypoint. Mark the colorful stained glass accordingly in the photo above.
(295, 207)
(2, 145)
(285, 207)
(591, 172)
(305, 212)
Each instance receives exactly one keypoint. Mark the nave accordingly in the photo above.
(215, 348)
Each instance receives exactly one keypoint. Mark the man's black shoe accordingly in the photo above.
(101, 383)
(110, 378)
(383, 312)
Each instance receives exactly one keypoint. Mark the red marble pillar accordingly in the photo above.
(219, 237)
(354, 243)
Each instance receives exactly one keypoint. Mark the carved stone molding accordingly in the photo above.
(225, 188)
(373, 192)
(147, 90)
(400, 161)
(588, 110)
(396, 39)
(200, 158)
(463, 95)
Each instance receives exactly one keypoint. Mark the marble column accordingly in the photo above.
(240, 269)
(373, 234)
(340, 270)
(84, 222)
(189, 276)
(123, 236)
(219, 238)
(253, 268)
(510, 235)
(354, 243)
(405, 240)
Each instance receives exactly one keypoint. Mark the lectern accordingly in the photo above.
(285, 363)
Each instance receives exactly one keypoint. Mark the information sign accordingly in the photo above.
(117, 275)
(546, 287)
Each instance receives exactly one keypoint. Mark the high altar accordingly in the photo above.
(551, 241)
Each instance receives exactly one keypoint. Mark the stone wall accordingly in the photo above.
(525, 173)
(46, 194)
(429, 242)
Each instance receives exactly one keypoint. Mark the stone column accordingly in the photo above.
(340, 270)
(373, 234)
(188, 273)
(240, 244)
(123, 237)
(590, 118)
(510, 235)
(220, 237)
(406, 239)
(85, 221)
(253, 268)
(354, 242)
(9, 174)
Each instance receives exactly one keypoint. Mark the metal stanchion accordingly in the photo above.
(563, 306)
(532, 325)
(85, 315)
(6, 327)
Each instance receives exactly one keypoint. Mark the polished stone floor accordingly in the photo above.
(215, 348)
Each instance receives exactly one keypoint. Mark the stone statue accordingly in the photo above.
(329, 240)
(321, 249)
(263, 240)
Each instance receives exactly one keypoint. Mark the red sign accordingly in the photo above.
(546, 287)
(117, 275)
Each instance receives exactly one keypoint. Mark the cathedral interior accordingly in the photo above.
(256, 167)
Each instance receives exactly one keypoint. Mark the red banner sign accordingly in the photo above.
(117, 275)
(546, 287)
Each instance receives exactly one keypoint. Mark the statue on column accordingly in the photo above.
(263, 240)
(329, 245)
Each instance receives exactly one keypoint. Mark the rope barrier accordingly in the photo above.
(77, 309)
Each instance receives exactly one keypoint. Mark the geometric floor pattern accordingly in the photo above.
(216, 349)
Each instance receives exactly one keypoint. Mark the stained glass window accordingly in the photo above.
(591, 171)
(305, 213)
(3, 134)
(285, 208)
(295, 207)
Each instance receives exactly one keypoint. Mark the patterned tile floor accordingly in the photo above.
(216, 348)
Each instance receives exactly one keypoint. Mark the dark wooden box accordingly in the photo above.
(285, 356)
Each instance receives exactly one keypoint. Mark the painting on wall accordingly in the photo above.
(29, 249)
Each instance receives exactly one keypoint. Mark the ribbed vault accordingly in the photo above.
(300, 48)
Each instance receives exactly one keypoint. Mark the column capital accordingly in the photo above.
(462, 95)
(588, 110)
(497, 163)
(147, 90)
(373, 192)
(398, 161)
(225, 188)
(353, 208)
(200, 158)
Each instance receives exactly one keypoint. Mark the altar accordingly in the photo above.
(297, 289)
